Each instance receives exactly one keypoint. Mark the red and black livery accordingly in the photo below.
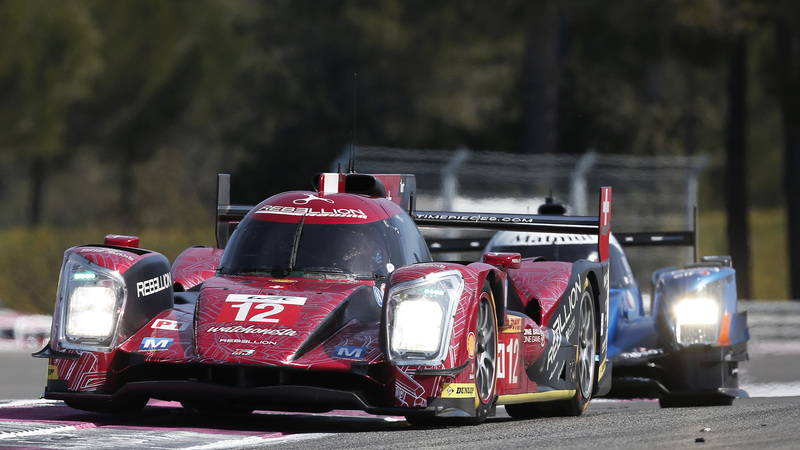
(329, 299)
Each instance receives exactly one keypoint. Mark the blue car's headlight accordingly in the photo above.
(697, 321)
(420, 317)
(92, 299)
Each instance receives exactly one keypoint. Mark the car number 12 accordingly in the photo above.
(244, 312)
(261, 309)
(508, 366)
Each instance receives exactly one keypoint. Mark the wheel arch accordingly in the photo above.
(497, 287)
(594, 285)
(596, 278)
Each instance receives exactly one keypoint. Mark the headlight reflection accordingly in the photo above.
(420, 318)
(697, 321)
(92, 298)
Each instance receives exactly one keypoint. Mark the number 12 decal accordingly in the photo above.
(508, 364)
(272, 309)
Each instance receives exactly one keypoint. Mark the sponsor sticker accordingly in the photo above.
(254, 330)
(345, 213)
(110, 251)
(479, 218)
(349, 352)
(563, 320)
(459, 390)
(151, 343)
(52, 372)
(471, 344)
(378, 294)
(243, 352)
(153, 285)
(641, 353)
(273, 309)
(166, 324)
(433, 265)
(310, 197)
(246, 341)
(534, 336)
(514, 325)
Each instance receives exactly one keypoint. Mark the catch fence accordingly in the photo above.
(657, 193)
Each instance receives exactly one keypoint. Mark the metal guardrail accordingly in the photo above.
(773, 320)
(23, 331)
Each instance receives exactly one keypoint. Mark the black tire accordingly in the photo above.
(485, 369)
(586, 370)
(127, 407)
(485, 357)
(587, 349)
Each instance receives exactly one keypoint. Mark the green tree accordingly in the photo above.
(48, 59)
(164, 64)
(784, 70)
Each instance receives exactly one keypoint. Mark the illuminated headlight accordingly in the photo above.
(92, 298)
(420, 318)
(697, 321)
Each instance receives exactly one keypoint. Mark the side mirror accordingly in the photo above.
(121, 240)
(503, 260)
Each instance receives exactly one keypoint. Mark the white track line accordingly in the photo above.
(259, 441)
(44, 431)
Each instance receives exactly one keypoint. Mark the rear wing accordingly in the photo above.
(227, 214)
(657, 238)
(686, 238)
(599, 225)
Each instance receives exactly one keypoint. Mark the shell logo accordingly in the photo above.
(471, 344)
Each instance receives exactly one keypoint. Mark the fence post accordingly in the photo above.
(577, 185)
(450, 178)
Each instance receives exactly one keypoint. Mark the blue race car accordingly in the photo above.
(686, 350)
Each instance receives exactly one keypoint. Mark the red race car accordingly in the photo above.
(329, 299)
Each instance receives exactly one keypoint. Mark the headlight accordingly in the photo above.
(697, 321)
(92, 298)
(420, 317)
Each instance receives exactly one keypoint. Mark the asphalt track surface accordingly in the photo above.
(769, 418)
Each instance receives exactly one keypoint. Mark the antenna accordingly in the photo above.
(352, 165)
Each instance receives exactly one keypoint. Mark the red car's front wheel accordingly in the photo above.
(485, 356)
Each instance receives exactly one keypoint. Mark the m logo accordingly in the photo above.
(345, 351)
(151, 343)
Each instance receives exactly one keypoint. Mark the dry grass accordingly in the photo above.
(769, 259)
(30, 259)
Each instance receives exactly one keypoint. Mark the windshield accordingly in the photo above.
(367, 250)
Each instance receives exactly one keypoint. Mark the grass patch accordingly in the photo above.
(769, 259)
(31, 258)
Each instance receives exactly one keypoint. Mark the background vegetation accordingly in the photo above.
(32, 257)
(116, 116)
